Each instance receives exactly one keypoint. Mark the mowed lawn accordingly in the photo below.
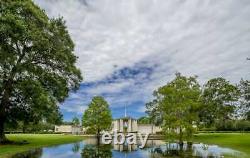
(35, 141)
(237, 141)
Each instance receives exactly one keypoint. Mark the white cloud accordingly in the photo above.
(109, 88)
(75, 108)
(206, 38)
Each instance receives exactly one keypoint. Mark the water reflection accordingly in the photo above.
(76, 147)
(36, 153)
(97, 151)
(153, 149)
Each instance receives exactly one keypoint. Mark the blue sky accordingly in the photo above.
(116, 90)
(128, 48)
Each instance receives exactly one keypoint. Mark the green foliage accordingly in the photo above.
(219, 101)
(179, 103)
(233, 125)
(37, 64)
(98, 116)
(97, 151)
(144, 120)
(153, 110)
(244, 108)
(248, 115)
(38, 127)
(76, 121)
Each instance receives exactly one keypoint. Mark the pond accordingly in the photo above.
(153, 149)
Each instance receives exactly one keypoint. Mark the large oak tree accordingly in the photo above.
(244, 88)
(219, 98)
(37, 64)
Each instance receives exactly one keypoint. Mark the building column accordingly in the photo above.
(121, 125)
(129, 125)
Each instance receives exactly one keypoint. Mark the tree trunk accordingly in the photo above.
(181, 137)
(6, 91)
(2, 135)
(24, 128)
(4, 103)
(152, 128)
(98, 137)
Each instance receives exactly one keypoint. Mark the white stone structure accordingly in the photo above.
(130, 125)
(148, 129)
(122, 125)
(69, 129)
(126, 124)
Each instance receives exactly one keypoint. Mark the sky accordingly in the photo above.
(129, 48)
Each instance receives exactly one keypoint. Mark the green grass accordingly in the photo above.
(236, 141)
(35, 141)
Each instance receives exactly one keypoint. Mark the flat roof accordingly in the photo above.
(125, 118)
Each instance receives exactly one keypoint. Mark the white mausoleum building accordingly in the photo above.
(130, 125)
(120, 125)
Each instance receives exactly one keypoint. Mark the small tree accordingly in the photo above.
(179, 103)
(98, 116)
(76, 121)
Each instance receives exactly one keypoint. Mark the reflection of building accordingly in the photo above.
(128, 124)
(132, 147)
(125, 147)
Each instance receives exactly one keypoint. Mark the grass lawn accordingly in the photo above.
(237, 141)
(35, 141)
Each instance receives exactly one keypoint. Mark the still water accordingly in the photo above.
(153, 149)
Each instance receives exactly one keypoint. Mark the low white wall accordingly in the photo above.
(148, 129)
(63, 128)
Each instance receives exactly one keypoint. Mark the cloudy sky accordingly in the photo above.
(128, 48)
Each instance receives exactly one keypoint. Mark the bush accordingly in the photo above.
(233, 125)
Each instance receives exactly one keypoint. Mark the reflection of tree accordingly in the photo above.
(172, 150)
(36, 153)
(76, 147)
(97, 151)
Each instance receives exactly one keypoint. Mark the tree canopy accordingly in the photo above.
(244, 109)
(219, 99)
(76, 121)
(217, 105)
(37, 64)
(144, 120)
(98, 116)
(179, 102)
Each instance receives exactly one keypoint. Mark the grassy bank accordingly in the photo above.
(237, 141)
(35, 141)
